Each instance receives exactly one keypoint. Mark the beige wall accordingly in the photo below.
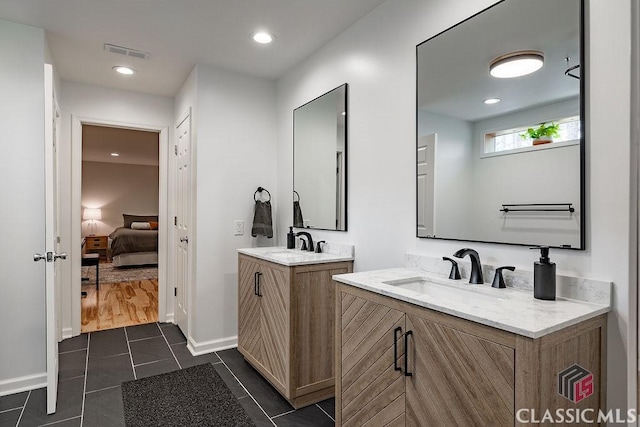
(117, 189)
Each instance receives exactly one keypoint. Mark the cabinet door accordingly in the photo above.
(274, 291)
(249, 312)
(372, 390)
(457, 378)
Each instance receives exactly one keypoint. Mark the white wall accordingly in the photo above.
(22, 305)
(234, 147)
(376, 56)
(118, 189)
(104, 105)
(315, 134)
(454, 183)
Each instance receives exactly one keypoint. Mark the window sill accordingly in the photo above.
(532, 148)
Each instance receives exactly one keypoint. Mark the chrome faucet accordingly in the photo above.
(476, 268)
(309, 239)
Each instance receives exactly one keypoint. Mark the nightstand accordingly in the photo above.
(97, 245)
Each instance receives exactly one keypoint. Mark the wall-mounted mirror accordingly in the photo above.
(481, 175)
(320, 162)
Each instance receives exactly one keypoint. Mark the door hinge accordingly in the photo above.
(175, 150)
(175, 220)
(175, 292)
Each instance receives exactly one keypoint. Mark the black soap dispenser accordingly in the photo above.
(544, 276)
(291, 239)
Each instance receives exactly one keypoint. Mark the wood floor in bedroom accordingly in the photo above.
(116, 305)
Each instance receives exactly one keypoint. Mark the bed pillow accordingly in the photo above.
(128, 219)
(140, 226)
(154, 225)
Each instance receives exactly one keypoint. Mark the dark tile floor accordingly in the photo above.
(93, 366)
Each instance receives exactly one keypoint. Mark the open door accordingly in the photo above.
(183, 220)
(51, 238)
(426, 185)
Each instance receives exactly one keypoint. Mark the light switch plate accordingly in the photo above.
(238, 227)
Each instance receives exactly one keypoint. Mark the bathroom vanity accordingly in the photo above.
(286, 314)
(415, 348)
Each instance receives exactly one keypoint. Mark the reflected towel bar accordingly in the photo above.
(538, 207)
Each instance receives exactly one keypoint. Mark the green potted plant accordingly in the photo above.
(542, 134)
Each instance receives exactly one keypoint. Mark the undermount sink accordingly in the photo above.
(426, 286)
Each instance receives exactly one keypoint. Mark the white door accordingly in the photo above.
(51, 240)
(426, 185)
(182, 221)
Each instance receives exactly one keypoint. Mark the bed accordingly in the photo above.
(136, 242)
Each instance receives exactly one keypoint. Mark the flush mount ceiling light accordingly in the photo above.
(516, 64)
(491, 101)
(262, 37)
(115, 154)
(127, 71)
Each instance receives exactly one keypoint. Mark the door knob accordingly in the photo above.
(184, 239)
(62, 255)
(39, 257)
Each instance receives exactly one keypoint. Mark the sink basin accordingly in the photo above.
(433, 288)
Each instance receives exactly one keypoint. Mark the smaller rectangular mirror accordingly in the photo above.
(320, 162)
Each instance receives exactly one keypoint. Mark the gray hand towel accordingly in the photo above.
(298, 222)
(262, 225)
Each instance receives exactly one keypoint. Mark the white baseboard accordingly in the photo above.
(20, 384)
(67, 333)
(169, 318)
(199, 348)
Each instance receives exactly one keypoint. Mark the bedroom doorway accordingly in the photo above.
(120, 202)
(142, 299)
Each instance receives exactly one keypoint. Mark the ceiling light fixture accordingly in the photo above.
(115, 154)
(516, 64)
(262, 37)
(127, 71)
(491, 101)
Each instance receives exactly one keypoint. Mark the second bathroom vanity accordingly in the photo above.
(286, 318)
(415, 348)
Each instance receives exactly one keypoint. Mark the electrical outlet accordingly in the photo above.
(238, 227)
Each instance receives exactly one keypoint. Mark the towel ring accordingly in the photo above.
(296, 193)
(260, 189)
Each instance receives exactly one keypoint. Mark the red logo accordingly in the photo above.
(575, 383)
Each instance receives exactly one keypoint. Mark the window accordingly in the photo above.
(511, 139)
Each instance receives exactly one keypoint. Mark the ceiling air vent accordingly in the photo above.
(126, 51)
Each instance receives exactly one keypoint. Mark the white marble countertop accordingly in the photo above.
(509, 309)
(291, 257)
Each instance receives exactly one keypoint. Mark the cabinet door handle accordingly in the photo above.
(406, 354)
(255, 283)
(395, 348)
(259, 291)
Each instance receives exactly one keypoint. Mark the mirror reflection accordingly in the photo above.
(500, 151)
(320, 162)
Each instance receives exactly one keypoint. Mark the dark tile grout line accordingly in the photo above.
(325, 412)
(25, 405)
(86, 374)
(61, 421)
(169, 345)
(133, 367)
(245, 389)
(10, 409)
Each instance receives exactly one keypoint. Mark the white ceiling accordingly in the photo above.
(454, 66)
(181, 33)
(134, 147)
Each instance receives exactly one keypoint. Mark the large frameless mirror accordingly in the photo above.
(320, 162)
(500, 158)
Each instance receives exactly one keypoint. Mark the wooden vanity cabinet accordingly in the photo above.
(286, 325)
(400, 364)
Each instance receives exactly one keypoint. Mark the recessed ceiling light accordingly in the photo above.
(115, 154)
(124, 70)
(516, 64)
(262, 37)
(344, 113)
(491, 101)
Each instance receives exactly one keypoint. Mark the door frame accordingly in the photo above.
(76, 207)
